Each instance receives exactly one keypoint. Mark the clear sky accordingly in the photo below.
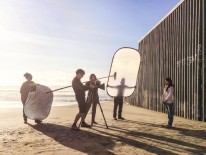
(52, 38)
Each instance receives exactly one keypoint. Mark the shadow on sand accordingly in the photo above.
(201, 134)
(99, 140)
(161, 143)
(82, 141)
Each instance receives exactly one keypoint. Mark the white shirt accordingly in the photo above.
(168, 96)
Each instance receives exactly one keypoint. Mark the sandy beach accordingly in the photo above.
(142, 132)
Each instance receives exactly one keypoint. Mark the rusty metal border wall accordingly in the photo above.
(175, 48)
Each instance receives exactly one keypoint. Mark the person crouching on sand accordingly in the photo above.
(27, 87)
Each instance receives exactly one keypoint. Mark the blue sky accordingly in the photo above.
(52, 38)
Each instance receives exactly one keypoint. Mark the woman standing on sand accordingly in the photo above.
(27, 86)
(168, 100)
(93, 96)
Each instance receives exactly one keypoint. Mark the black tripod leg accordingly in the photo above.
(80, 124)
(103, 115)
(91, 102)
(91, 123)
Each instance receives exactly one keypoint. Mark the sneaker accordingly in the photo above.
(169, 126)
(25, 120)
(93, 122)
(74, 127)
(38, 121)
(85, 125)
(115, 118)
(121, 118)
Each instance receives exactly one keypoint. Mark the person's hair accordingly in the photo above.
(90, 77)
(80, 71)
(168, 79)
(27, 75)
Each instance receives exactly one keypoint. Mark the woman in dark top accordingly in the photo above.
(93, 96)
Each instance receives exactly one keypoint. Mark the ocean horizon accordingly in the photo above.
(10, 96)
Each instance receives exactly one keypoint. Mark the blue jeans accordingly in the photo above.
(170, 111)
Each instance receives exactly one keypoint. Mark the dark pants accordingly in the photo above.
(94, 107)
(92, 100)
(118, 101)
(170, 111)
(82, 105)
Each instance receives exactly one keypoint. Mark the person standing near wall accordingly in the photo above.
(168, 100)
(118, 100)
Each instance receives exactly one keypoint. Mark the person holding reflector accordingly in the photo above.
(125, 65)
(118, 100)
(27, 87)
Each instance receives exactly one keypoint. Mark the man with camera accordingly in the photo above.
(79, 90)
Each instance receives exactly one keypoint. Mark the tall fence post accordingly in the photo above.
(199, 83)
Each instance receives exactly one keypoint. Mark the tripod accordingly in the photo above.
(91, 101)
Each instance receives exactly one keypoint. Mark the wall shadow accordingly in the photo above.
(100, 141)
(201, 134)
(135, 143)
(164, 144)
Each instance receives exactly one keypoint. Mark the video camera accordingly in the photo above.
(99, 85)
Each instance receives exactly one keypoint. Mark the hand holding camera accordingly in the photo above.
(97, 83)
(92, 86)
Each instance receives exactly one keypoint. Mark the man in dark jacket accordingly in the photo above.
(79, 90)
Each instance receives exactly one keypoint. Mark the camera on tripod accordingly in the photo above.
(99, 85)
